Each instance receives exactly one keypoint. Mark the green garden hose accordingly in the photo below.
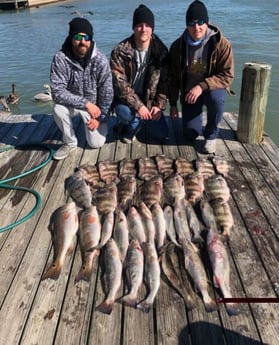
(3, 183)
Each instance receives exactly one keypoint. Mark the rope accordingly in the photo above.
(3, 183)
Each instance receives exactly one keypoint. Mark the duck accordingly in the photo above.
(44, 96)
(13, 97)
(6, 110)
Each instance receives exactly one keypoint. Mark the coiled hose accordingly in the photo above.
(3, 183)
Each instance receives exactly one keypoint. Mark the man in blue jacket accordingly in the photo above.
(81, 84)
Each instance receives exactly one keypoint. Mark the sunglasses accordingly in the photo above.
(79, 37)
(192, 23)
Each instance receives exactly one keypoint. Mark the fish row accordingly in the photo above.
(133, 244)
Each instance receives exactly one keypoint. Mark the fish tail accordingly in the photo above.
(210, 304)
(129, 300)
(105, 307)
(232, 309)
(53, 271)
(144, 306)
(84, 274)
(197, 239)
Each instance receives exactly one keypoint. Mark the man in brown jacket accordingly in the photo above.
(139, 67)
(201, 71)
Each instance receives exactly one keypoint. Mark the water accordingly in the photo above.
(30, 38)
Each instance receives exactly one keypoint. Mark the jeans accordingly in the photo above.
(157, 130)
(63, 118)
(192, 115)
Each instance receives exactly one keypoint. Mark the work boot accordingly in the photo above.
(63, 152)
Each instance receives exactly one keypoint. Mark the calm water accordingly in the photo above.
(30, 37)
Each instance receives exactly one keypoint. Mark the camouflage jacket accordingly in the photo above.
(123, 69)
(220, 69)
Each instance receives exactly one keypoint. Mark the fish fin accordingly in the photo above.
(216, 282)
(53, 271)
(144, 306)
(129, 300)
(232, 309)
(105, 307)
(84, 274)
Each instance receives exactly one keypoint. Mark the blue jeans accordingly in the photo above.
(192, 115)
(157, 130)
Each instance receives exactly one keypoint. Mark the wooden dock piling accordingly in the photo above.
(253, 101)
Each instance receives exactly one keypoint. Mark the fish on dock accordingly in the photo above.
(221, 268)
(135, 225)
(194, 187)
(90, 174)
(181, 222)
(195, 268)
(205, 167)
(78, 189)
(89, 237)
(108, 171)
(152, 274)
(106, 228)
(164, 165)
(148, 223)
(133, 267)
(105, 198)
(147, 168)
(170, 227)
(126, 189)
(127, 167)
(216, 187)
(223, 216)
(160, 225)
(221, 166)
(121, 233)
(63, 227)
(183, 166)
(176, 274)
(112, 276)
(151, 191)
(174, 187)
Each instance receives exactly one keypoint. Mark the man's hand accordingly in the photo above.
(173, 112)
(192, 96)
(144, 113)
(93, 110)
(93, 124)
(156, 113)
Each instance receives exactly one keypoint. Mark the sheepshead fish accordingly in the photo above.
(223, 217)
(112, 275)
(170, 228)
(205, 167)
(147, 220)
(216, 188)
(126, 189)
(105, 198)
(194, 187)
(174, 187)
(151, 191)
(89, 236)
(160, 225)
(106, 229)
(176, 274)
(63, 226)
(133, 267)
(194, 267)
(108, 171)
(78, 189)
(147, 168)
(121, 233)
(221, 268)
(164, 165)
(183, 166)
(152, 274)
(221, 165)
(135, 225)
(90, 174)
(127, 167)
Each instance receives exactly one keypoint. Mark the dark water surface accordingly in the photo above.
(30, 37)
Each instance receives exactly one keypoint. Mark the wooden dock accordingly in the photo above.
(61, 312)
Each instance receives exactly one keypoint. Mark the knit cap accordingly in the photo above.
(196, 10)
(143, 14)
(78, 25)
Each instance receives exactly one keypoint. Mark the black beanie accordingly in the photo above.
(196, 10)
(143, 14)
(78, 25)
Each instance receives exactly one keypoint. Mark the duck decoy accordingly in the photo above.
(6, 110)
(44, 96)
(13, 97)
